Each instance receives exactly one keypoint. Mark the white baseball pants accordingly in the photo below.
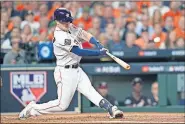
(68, 81)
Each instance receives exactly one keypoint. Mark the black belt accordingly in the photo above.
(71, 66)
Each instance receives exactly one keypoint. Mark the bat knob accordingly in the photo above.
(128, 67)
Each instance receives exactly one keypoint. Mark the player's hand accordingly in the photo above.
(99, 46)
(103, 51)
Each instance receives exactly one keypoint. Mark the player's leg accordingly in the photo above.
(86, 88)
(66, 87)
(65, 79)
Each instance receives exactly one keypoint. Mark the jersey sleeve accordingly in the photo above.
(64, 42)
(76, 32)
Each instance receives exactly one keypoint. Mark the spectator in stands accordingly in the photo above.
(98, 9)
(4, 32)
(108, 30)
(16, 21)
(177, 32)
(174, 10)
(158, 5)
(144, 9)
(179, 43)
(168, 24)
(44, 22)
(160, 43)
(29, 19)
(43, 9)
(26, 34)
(55, 5)
(95, 29)
(14, 33)
(8, 5)
(143, 41)
(43, 36)
(129, 27)
(144, 24)
(120, 24)
(136, 99)
(103, 90)
(16, 55)
(85, 21)
(154, 98)
(133, 9)
(157, 17)
(182, 13)
(35, 7)
(116, 44)
(5, 18)
(129, 42)
(107, 16)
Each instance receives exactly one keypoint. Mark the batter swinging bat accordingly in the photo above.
(119, 61)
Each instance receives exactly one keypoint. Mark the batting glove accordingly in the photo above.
(103, 51)
(99, 46)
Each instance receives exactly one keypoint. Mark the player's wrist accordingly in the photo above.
(95, 42)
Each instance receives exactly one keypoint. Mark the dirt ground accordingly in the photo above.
(99, 118)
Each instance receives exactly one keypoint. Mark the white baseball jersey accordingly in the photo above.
(63, 42)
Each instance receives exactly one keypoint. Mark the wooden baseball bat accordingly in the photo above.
(119, 61)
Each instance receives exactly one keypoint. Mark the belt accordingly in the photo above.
(71, 66)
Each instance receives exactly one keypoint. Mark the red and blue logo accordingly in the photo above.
(28, 86)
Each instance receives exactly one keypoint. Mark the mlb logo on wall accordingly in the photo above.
(28, 86)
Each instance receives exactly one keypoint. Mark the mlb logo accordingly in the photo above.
(28, 86)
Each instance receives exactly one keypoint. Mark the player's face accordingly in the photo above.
(137, 88)
(15, 44)
(64, 25)
(155, 89)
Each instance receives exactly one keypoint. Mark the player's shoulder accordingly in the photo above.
(60, 35)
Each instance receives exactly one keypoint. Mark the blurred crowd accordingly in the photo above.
(117, 25)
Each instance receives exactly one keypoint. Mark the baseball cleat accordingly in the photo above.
(116, 113)
(25, 113)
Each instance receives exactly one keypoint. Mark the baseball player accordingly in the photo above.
(69, 77)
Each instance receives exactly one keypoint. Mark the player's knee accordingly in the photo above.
(63, 107)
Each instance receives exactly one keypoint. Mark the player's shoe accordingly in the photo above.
(25, 113)
(115, 112)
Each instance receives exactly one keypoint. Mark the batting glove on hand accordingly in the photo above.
(103, 51)
(99, 46)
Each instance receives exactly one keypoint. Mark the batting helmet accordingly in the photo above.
(63, 15)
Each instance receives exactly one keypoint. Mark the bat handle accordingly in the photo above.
(112, 56)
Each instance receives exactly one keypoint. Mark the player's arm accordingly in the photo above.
(82, 34)
(89, 37)
(87, 52)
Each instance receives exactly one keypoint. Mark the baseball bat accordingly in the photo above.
(119, 61)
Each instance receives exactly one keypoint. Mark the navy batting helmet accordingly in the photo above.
(63, 15)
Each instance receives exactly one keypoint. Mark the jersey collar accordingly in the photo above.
(58, 29)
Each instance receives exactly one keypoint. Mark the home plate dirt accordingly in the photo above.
(99, 118)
